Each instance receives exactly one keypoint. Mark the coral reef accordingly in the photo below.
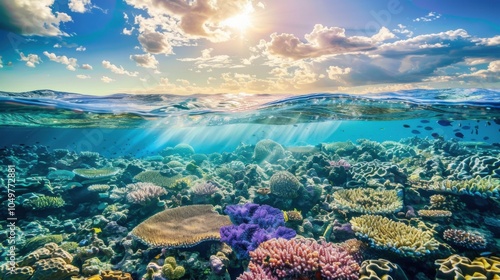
(300, 257)
(464, 239)
(44, 202)
(381, 269)
(458, 267)
(183, 226)
(268, 150)
(284, 184)
(144, 193)
(157, 178)
(368, 201)
(96, 173)
(479, 186)
(399, 238)
(252, 225)
(434, 213)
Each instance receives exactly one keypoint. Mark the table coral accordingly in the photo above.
(368, 201)
(96, 173)
(183, 226)
(385, 234)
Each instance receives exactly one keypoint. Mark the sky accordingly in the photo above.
(243, 46)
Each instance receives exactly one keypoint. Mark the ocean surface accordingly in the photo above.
(326, 160)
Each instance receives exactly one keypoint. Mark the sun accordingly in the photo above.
(241, 21)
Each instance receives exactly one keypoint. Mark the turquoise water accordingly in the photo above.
(431, 137)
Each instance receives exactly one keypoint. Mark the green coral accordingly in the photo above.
(39, 241)
(45, 202)
(96, 173)
(284, 184)
(155, 177)
(171, 270)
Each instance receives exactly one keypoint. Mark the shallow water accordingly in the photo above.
(430, 136)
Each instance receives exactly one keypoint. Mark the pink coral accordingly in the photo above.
(256, 273)
(144, 193)
(304, 257)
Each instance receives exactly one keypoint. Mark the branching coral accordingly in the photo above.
(368, 201)
(144, 193)
(397, 237)
(464, 239)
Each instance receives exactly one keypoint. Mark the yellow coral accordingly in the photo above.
(394, 236)
(171, 270)
(369, 201)
(435, 213)
(458, 267)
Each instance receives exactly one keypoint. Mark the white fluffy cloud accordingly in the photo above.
(79, 6)
(155, 42)
(1, 63)
(86, 67)
(81, 49)
(83, 77)
(429, 17)
(68, 61)
(118, 70)
(31, 60)
(32, 18)
(145, 60)
(321, 41)
(57, 46)
(335, 71)
(206, 60)
(106, 79)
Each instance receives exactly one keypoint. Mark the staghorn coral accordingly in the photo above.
(464, 239)
(144, 193)
(445, 202)
(458, 267)
(183, 226)
(385, 234)
(301, 257)
(478, 186)
(256, 273)
(434, 213)
(44, 202)
(381, 269)
(96, 173)
(268, 150)
(204, 188)
(284, 184)
(368, 201)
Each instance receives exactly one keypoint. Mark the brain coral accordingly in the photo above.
(381, 269)
(183, 226)
(397, 237)
(284, 184)
(458, 267)
(368, 201)
(268, 150)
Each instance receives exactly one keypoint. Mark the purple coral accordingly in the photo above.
(144, 193)
(253, 224)
(205, 189)
(341, 163)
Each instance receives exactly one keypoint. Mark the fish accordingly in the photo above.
(497, 121)
(415, 131)
(435, 135)
(444, 122)
(406, 125)
(459, 135)
(428, 128)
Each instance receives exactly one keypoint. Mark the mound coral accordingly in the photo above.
(268, 150)
(183, 226)
(368, 201)
(458, 267)
(204, 189)
(96, 173)
(100, 188)
(284, 184)
(253, 224)
(464, 239)
(300, 257)
(385, 234)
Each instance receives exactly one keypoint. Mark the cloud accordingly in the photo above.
(80, 6)
(126, 31)
(429, 17)
(81, 49)
(490, 74)
(69, 62)
(57, 46)
(206, 60)
(383, 35)
(118, 70)
(493, 41)
(334, 72)
(31, 59)
(320, 42)
(145, 60)
(198, 19)
(155, 42)
(1, 63)
(107, 79)
(32, 18)
(86, 67)
(83, 77)
(403, 30)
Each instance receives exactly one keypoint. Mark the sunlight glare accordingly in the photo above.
(241, 21)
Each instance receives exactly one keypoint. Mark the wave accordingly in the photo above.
(62, 109)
